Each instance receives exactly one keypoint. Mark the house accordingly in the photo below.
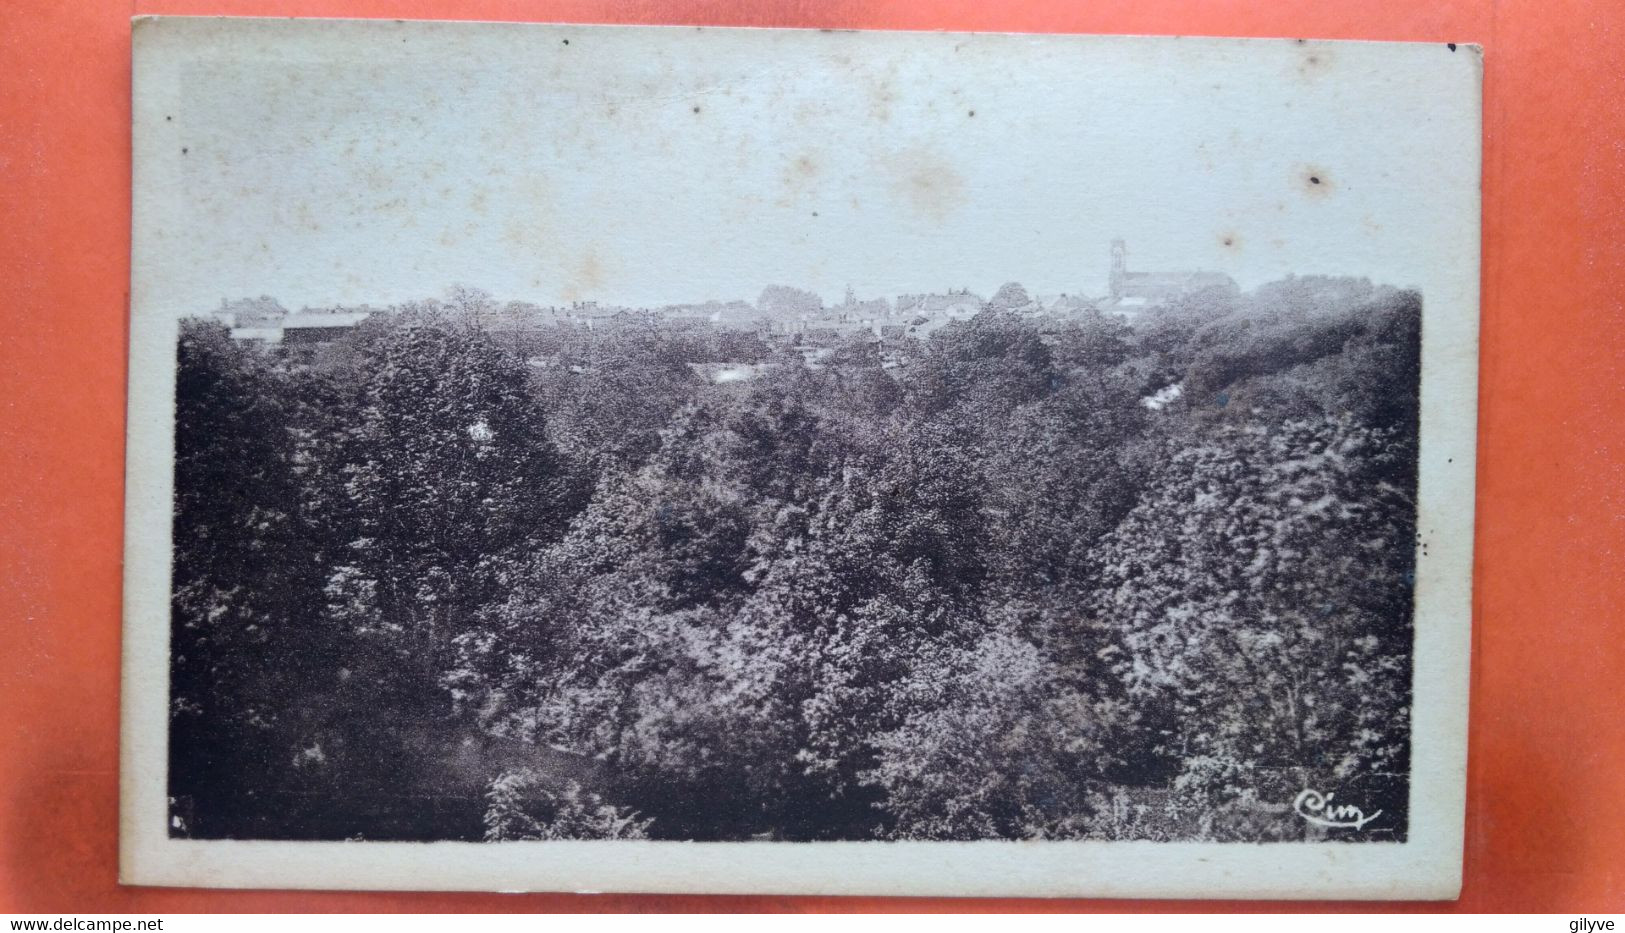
(519, 317)
(264, 322)
(250, 313)
(736, 315)
(1064, 305)
(314, 327)
(955, 304)
(828, 332)
(263, 336)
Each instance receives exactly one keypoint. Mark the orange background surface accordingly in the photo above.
(1546, 819)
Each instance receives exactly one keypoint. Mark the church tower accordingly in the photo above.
(1119, 268)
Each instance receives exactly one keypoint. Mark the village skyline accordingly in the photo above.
(777, 309)
(1092, 286)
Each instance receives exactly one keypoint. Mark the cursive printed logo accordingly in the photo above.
(1317, 808)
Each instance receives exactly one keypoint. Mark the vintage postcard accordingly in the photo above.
(729, 460)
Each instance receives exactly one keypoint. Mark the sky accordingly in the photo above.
(353, 163)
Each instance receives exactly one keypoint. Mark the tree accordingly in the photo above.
(1058, 479)
(784, 301)
(519, 806)
(1263, 589)
(608, 394)
(454, 477)
(1010, 297)
(1093, 343)
(246, 627)
(996, 745)
(987, 365)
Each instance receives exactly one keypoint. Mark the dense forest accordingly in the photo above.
(1026, 578)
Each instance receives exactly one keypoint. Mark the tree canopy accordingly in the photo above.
(1029, 577)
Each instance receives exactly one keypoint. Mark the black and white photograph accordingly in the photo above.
(837, 447)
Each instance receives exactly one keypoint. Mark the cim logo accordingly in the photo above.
(1317, 808)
